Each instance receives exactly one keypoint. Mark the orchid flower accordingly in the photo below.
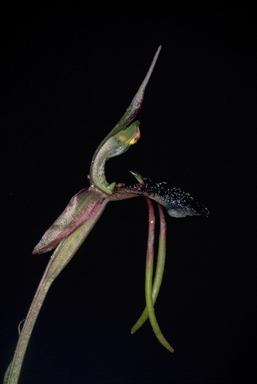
(72, 227)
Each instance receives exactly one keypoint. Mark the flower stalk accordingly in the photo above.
(59, 259)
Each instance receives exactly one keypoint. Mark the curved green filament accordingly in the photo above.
(148, 278)
(159, 269)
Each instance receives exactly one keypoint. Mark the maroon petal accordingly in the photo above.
(82, 207)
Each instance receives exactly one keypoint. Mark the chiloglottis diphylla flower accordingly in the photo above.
(84, 209)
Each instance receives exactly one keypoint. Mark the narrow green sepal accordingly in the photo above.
(97, 174)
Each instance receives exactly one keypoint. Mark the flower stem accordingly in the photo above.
(16, 364)
(59, 259)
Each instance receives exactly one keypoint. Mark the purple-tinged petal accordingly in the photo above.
(159, 268)
(82, 207)
(148, 278)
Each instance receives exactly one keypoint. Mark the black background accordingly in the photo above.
(67, 74)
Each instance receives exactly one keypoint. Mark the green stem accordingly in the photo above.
(159, 269)
(149, 276)
(60, 258)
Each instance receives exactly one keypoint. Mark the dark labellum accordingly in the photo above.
(177, 202)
